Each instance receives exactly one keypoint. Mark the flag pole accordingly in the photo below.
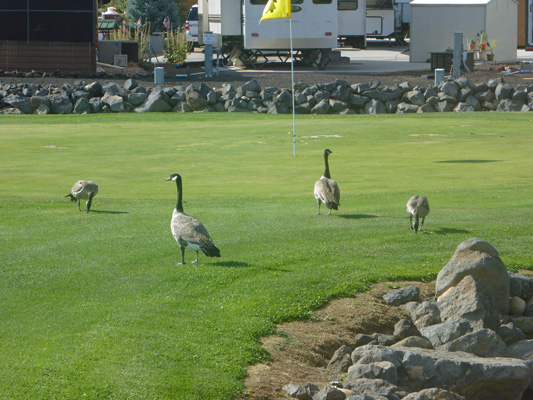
(293, 94)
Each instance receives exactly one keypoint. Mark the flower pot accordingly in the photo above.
(472, 46)
(483, 46)
(490, 57)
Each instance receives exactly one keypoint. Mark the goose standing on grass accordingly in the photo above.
(188, 231)
(326, 189)
(83, 190)
(417, 207)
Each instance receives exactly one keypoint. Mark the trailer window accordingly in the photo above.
(344, 5)
(322, 1)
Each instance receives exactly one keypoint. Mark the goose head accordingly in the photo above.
(173, 177)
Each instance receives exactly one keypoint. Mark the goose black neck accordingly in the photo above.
(326, 171)
(179, 204)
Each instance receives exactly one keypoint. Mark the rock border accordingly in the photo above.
(338, 97)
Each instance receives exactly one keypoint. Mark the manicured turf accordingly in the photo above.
(92, 305)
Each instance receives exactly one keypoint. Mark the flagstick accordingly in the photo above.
(293, 94)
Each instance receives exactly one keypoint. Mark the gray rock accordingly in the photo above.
(372, 353)
(487, 95)
(342, 93)
(464, 107)
(322, 107)
(472, 301)
(492, 84)
(60, 104)
(426, 108)
(472, 101)
(277, 108)
(405, 328)
(330, 393)
(510, 333)
(482, 343)
(402, 296)
(503, 91)
(450, 88)
(473, 377)
(21, 103)
(375, 387)
(406, 108)
(434, 394)
(382, 96)
(423, 314)
(463, 83)
(479, 259)
(42, 109)
(507, 105)
(115, 103)
(375, 107)
(155, 102)
(322, 95)
(525, 324)
(358, 101)
(195, 100)
(338, 106)
(136, 99)
(94, 89)
(377, 370)
(36, 101)
(415, 341)
(443, 106)
(416, 97)
(82, 106)
(341, 360)
(445, 332)
(130, 84)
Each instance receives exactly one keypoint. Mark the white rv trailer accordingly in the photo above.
(388, 19)
(236, 23)
(352, 22)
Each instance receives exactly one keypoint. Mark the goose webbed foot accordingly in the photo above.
(195, 261)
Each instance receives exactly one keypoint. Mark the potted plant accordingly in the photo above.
(492, 46)
(472, 44)
(483, 46)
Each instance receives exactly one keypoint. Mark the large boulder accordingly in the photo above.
(470, 300)
(479, 259)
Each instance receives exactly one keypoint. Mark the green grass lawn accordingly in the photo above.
(92, 305)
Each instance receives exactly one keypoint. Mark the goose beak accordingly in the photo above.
(168, 179)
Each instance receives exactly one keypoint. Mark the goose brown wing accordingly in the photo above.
(327, 191)
(188, 229)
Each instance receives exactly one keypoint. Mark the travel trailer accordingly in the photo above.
(388, 19)
(352, 22)
(239, 33)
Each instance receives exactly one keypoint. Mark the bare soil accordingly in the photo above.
(280, 76)
(300, 351)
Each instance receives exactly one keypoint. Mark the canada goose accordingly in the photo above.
(326, 189)
(83, 190)
(188, 231)
(417, 207)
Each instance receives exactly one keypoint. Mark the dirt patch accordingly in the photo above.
(300, 351)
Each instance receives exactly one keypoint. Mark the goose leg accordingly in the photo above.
(421, 224)
(195, 261)
(182, 248)
(89, 202)
(318, 213)
(79, 205)
(410, 222)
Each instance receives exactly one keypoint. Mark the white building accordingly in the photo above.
(433, 23)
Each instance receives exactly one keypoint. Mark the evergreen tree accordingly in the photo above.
(154, 12)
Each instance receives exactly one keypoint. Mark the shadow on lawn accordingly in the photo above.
(232, 264)
(357, 216)
(467, 161)
(446, 231)
(109, 212)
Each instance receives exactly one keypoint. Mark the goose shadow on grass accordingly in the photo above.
(231, 264)
(467, 161)
(447, 231)
(109, 212)
(357, 216)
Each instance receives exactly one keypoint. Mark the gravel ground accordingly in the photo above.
(279, 76)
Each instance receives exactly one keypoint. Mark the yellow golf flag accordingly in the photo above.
(277, 9)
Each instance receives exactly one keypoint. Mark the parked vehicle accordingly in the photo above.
(389, 19)
(352, 22)
(191, 25)
(236, 24)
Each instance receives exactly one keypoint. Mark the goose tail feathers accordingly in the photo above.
(212, 251)
(72, 198)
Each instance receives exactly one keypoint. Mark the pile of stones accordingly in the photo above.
(469, 342)
(337, 97)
